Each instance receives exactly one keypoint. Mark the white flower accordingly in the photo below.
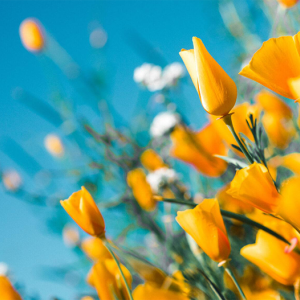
(160, 176)
(173, 72)
(156, 79)
(141, 73)
(3, 269)
(163, 123)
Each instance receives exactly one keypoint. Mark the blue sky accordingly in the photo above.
(25, 242)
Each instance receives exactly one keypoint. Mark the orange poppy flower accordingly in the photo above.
(275, 63)
(217, 91)
(268, 253)
(141, 189)
(254, 185)
(151, 160)
(105, 277)
(7, 291)
(199, 148)
(206, 226)
(84, 211)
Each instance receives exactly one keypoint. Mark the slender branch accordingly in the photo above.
(227, 120)
(106, 243)
(296, 290)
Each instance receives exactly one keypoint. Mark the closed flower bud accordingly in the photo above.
(141, 189)
(84, 211)
(217, 91)
(206, 226)
(7, 291)
(31, 34)
(254, 185)
(151, 160)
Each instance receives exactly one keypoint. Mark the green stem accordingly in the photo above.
(212, 286)
(106, 243)
(227, 120)
(231, 215)
(228, 271)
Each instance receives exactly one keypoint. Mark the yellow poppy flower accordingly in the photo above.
(289, 208)
(31, 34)
(105, 277)
(269, 255)
(275, 63)
(255, 186)
(230, 203)
(146, 291)
(241, 114)
(95, 249)
(217, 91)
(141, 189)
(206, 226)
(84, 211)
(199, 148)
(7, 291)
(151, 160)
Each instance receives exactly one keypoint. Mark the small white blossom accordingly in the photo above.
(154, 78)
(160, 176)
(141, 73)
(163, 123)
(173, 72)
(3, 269)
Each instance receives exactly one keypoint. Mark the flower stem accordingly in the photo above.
(107, 245)
(227, 120)
(229, 272)
(296, 290)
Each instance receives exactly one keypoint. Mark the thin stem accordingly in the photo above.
(231, 215)
(212, 286)
(227, 120)
(296, 290)
(106, 243)
(228, 271)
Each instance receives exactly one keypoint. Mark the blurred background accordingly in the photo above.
(98, 42)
